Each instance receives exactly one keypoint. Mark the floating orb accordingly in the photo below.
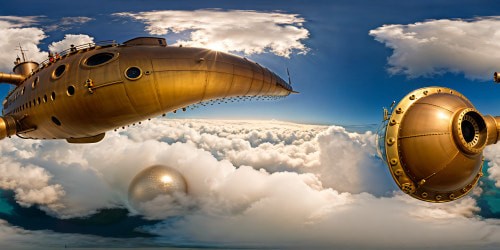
(155, 181)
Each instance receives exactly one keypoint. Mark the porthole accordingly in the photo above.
(56, 121)
(44, 98)
(53, 96)
(133, 73)
(71, 90)
(35, 82)
(59, 71)
(99, 59)
(39, 100)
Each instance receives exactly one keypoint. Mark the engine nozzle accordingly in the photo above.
(432, 143)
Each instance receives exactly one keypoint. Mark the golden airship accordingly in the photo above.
(432, 142)
(89, 89)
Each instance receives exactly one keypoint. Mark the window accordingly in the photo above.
(53, 96)
(133, 73)
(71, 90)
(56, 121)
(99, 59)
(59, 71)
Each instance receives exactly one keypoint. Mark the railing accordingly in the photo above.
(75, 49)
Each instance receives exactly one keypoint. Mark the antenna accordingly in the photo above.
(22, 52)
(289, 80)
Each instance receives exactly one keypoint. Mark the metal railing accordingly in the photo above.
(75, 49)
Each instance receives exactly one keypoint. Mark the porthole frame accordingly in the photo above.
(66, 67)
(133, 78)
(84, 61)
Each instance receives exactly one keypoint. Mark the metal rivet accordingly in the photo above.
(394, 161)
(392, 122)
(424, 194)
(464, 190)
(421, 182)
(398, 172)
(439, 90)
(412, 97)
(426, 92)
(399, 110)
(438, 197)
(391, 141)
(452, 196)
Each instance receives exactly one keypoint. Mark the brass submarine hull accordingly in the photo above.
(89, 91)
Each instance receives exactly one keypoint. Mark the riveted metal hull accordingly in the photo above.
(86, 100)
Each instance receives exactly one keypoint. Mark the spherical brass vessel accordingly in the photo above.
(154, 181)
(433, 142)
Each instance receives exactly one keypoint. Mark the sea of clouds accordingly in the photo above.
(251, 183)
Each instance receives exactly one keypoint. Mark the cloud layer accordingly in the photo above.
(268, 183)
(235, 30)
(438, 46)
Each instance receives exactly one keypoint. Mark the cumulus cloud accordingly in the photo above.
(290, 201)
(492, 154)
(68, 40)
(16, 31)
(447, 45)
(234, 30)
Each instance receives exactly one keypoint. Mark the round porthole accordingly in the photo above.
(56, 121)
(71, 90)
(133, 73)
(59, 71)
(99, 59)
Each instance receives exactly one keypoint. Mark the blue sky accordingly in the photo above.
(262, 183)
(343, 79)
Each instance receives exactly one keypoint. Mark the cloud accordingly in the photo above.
(68, 40)
(306, 187)
(246, 31)
(15, 32)
(67, 23)
(492, 154)
(447, 45)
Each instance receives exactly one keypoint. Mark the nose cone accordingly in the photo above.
(433, 144)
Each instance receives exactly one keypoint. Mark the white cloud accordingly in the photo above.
(492, 154)
(437, 46)
(234, 30)
(68, 40)
(75, 20)
(306, 186)
(15, 32)
(67, 23)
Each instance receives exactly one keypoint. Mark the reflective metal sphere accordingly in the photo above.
(154, 181)
(433, 142)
